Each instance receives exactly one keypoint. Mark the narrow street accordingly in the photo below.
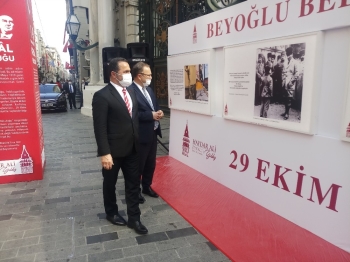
(61, 218)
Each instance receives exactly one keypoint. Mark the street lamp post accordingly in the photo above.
(72, 27)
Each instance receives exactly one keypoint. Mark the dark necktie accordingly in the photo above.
(156, 123)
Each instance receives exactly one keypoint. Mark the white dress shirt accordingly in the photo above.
(120, 91)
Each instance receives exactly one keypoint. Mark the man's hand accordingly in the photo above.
(158, 115)
(107, 162)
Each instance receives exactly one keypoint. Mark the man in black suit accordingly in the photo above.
(114, 111)
(149, 116)
(71, 90)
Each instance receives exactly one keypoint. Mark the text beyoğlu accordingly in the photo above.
(259, 17)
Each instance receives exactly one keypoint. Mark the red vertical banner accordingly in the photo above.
(22, 156)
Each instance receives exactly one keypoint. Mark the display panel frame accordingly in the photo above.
(188, 89)
(242, 90)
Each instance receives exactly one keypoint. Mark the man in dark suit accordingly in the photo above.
(114, 111)
(71, 90)
(149, 116)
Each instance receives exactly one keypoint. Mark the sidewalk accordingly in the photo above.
(61, 218)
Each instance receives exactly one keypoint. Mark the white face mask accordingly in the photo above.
(126, 81)
(148, 82)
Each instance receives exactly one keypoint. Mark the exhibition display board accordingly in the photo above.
(245, 81)
(301, 51)
(189, 81)
(21, 136)
(345, 130)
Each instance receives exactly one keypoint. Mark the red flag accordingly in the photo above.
(65, 48)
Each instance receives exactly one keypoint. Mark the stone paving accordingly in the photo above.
(61, 218)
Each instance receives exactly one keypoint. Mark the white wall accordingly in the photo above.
(323, 156)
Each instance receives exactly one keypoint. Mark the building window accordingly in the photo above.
(87, 15)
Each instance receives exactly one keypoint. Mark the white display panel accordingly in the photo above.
(345, 129)
(301, 178)
(255, 20)
(279, 93)
(191, 78)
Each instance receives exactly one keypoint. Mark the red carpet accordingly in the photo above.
(241, 229)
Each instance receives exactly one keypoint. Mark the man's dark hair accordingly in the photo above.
(113, 64)
(289, 51)
(138, 68)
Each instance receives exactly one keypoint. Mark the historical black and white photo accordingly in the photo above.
(279, 82)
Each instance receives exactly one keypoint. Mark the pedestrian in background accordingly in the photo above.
(149, 115)
(71, 90)
(114, 111)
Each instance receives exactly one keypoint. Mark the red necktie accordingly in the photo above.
(126, 100)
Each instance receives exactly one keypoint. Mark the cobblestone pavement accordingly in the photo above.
(61, 218)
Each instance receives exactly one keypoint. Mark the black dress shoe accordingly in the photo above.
(116, 220)
(138, 227)
(141, 198)
(149, 192)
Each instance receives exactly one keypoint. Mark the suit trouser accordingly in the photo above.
(257, 100)
(265, 104)
(71, 99)
(287, 104)
(129, 167)
(148, 152)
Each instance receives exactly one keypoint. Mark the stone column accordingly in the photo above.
(101, 29)
(131, 21)
(93, 35)
(105, 30)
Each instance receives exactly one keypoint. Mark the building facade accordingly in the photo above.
(50, 67)
(115, 23)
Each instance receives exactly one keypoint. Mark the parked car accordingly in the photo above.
(52, 98)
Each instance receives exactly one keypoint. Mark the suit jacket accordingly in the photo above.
(116, 132)
(146, 121)
(266, 86)
(66, 88)
(290, 75)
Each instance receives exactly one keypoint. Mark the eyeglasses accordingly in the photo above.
(150, 75)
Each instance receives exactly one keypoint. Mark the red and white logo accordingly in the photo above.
(195, 34)
(198, 147)
(348, 131)
(23, 165)
(186, 142)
